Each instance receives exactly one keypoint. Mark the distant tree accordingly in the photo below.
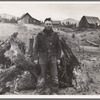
(6, 20)
(13, 20)
(68, 23)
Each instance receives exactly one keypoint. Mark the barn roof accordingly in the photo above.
(25, 15)
(92, 20)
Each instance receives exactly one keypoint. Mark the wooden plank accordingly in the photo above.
(89, 48)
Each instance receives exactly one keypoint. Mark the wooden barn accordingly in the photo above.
(89, 22)
(28, 19)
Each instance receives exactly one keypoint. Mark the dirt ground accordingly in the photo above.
(90, 59)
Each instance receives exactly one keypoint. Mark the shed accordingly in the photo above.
(89, 22)
(56, 23)
(28, 19)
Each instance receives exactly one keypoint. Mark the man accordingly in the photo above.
(47, 54)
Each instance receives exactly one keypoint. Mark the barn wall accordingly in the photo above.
(36, 21)
(27, 19)
(83, 23)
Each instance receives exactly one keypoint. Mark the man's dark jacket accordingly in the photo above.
(47, 43)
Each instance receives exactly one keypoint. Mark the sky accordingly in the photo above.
(55, 10)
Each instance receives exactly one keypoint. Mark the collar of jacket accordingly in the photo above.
(48, 32)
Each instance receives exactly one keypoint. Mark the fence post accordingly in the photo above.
(31, 42)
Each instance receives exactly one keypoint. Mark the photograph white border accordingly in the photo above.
(52, 96)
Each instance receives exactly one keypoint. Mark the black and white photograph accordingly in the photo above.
(49, 48)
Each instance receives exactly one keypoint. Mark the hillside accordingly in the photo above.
(70, 20)
(26, 31)
(7, 16)
(92, 35)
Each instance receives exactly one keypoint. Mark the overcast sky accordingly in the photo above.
(55, 10)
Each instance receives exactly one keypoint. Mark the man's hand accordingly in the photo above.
(58, 62)
(36, 61)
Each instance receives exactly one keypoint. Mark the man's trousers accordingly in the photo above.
(48, 64)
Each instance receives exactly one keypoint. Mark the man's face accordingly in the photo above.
(48, 25)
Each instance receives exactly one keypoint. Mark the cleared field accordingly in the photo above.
(89, 56)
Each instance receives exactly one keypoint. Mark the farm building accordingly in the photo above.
(56, 23)
(89, 22)
(28, 19)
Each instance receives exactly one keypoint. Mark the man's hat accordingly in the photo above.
(47, 19)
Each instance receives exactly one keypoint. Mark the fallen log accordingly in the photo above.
(92, 43)
(89, 49)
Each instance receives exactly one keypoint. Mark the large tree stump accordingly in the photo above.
(68, 62)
